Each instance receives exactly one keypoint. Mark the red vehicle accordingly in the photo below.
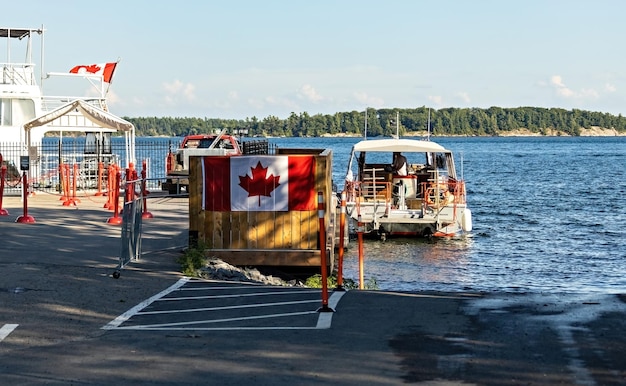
(177, 163)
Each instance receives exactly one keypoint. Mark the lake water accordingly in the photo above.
(549, 215)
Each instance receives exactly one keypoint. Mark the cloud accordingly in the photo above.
(310, 94)
(556, 81)
(436, 99)
(368, 100)
(464, 96)
(610, 88)
(178, 89)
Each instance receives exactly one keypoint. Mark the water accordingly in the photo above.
(549, 216)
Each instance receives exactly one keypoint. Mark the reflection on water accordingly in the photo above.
(411, 264)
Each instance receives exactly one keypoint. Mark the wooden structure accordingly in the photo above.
(285, 238)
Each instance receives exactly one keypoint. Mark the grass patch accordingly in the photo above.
(192, 260)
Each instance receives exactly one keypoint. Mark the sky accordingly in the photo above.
(238, 59)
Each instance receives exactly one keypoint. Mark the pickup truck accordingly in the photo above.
(177, 162)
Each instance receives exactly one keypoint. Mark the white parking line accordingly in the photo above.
(291, 292)
(323, 322)
(128, 314)
(6, 330)
(170, 326)
(227, 307)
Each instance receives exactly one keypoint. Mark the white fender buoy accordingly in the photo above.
(466, 220)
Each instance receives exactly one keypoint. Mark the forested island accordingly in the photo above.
(494, 121)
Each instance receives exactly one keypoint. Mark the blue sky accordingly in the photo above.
(242, 58)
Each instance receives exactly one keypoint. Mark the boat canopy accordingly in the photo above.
(398, 145)
(101, 119)
(92, 113)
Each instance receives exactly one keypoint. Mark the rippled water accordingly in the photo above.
(549, 216)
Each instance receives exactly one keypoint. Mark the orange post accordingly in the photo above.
(321, 208)
(63, 182)
(25, 218)
(361, 258)
(116, 219)
(3, 174)
(66, 185)
(144, 191)
(74, 185)
(342, 226)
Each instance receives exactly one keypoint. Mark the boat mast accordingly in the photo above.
(397, 124)
(365, 137)
(428, 127)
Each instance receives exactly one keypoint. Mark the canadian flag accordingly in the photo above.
(259, 183)
(105, 70)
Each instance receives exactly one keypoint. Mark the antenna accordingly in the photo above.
(428, 127)
(365, 123)
(397, 124)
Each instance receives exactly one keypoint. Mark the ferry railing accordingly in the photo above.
(19, 74)
(46, 158)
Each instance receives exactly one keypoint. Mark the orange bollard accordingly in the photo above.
(342, 226)
(110, 186)
(66, 185)
(361, 257)
(75, 200)
(116, 219)
(25, 218)
(3, 174)
(63, 182)
(321, 208)
(144, 192)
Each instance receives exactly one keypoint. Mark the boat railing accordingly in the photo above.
(50, 103)
(18, 74)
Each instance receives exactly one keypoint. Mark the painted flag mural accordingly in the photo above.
(104, 69)
(259, 183)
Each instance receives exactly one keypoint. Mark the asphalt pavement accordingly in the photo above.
(65, 320)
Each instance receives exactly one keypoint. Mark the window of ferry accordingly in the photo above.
(5, 112)
(17, 112)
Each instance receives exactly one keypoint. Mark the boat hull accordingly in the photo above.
(446, 222)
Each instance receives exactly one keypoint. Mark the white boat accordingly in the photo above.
(429, 199)
(26, 114)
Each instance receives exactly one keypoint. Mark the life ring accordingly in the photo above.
(445, 196)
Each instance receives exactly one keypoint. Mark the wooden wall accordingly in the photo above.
(281, 238)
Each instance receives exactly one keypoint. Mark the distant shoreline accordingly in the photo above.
(592, 132)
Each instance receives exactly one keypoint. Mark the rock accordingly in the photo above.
(218, 269)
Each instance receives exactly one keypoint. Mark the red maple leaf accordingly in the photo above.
(259, 184)
(91, 69)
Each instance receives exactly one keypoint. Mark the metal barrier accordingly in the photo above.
(132, 220)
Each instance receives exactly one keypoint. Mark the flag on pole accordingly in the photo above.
(104, 69)
(259, 183)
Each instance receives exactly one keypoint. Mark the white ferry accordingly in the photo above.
(424, 198)
(26, 114)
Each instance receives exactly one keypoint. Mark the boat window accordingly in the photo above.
(16, 111)
(441, 161)
(90, 143)
(5, 112)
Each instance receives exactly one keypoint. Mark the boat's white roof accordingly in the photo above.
(398, 145)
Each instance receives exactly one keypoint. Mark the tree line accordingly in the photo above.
(493, 121)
